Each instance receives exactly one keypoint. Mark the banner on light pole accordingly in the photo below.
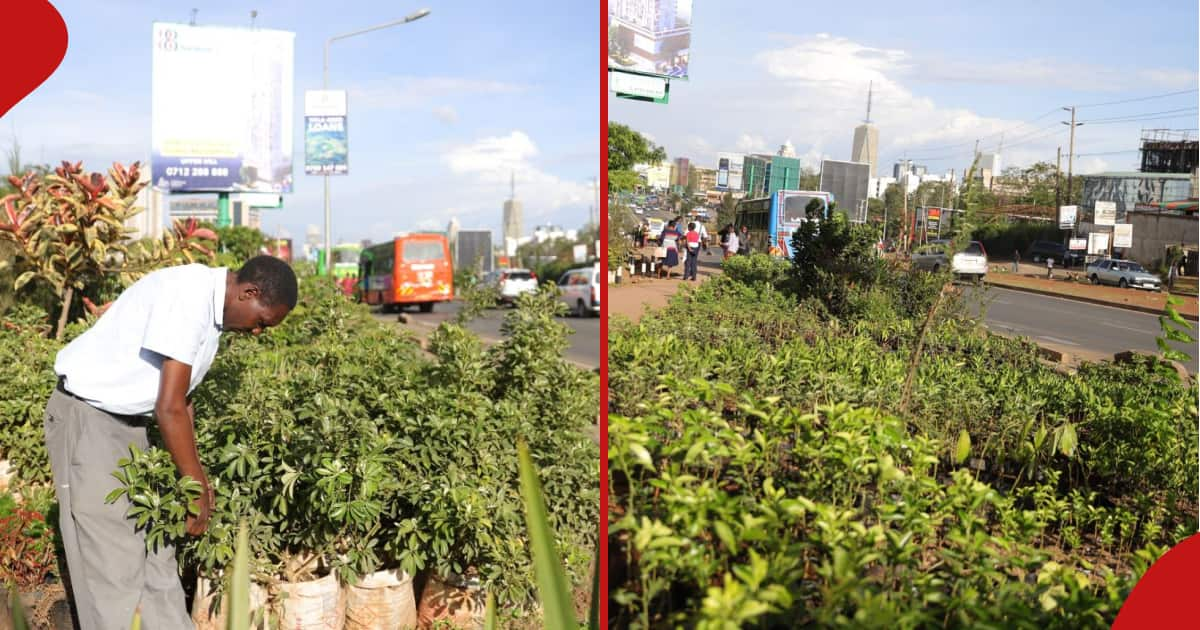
(326, 149)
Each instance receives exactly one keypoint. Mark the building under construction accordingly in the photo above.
(1169, 151)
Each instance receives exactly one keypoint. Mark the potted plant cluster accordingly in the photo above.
(358, 465)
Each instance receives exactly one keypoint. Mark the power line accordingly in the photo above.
(1144, 98)
(1168, 111)
(1128, 120)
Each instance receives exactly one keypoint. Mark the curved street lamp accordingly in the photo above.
(412, 17)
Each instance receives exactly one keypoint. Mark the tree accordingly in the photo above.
(809, 179)
(727, 210)
(68, 228)
(240, 243)
(626, 148)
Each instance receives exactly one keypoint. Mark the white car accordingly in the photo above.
(511, 283)
(971, 262)
(579, 289)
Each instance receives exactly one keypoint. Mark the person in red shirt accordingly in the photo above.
(693, 252)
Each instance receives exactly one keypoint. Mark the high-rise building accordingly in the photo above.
(762, 175)
(512, 212)
(729, 171)
(866, 140)
(679, 172)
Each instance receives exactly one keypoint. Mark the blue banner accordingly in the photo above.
(325, 145)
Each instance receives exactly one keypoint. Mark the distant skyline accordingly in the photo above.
(774, 72)
(441, 110)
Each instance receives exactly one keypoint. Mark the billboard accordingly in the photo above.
(1123, 235)
(325, 143)
(650, 36)
(1106, 213)
(1066, 217)
(729, 171)
(1097, 243)
(221, 108)
(847, 182)
(473, 247)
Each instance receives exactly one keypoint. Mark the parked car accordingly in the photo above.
(511, 283)
(1039, 251)
(1123, 273)
(579, 289)
(934, 256)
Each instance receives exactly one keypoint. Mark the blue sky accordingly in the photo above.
(944, 75)
(440, 109)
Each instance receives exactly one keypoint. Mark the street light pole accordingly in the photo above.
(325, 86)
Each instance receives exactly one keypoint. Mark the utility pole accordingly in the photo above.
(1071, 155)
(1058, 181)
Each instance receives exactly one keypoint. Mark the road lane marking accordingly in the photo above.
(1057, 340)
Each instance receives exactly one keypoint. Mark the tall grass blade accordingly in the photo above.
(551, 578)
(238, 601)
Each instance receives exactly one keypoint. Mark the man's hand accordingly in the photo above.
(176, 423)
(196, 525)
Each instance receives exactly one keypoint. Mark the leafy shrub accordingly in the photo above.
(755, 269)
(783, 516)
(27, 545)
(707, 397)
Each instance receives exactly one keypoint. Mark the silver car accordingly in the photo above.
(1123, 273)
(970, 263)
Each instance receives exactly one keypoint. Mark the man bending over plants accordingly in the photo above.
(144, 356)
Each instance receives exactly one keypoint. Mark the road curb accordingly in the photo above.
(1079, 298)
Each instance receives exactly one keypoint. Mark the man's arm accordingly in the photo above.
(175, 422)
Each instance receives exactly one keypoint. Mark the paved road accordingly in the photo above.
(1085, 330)
(584, 348)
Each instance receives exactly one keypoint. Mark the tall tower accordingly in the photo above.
(866, 139)
(512, 213)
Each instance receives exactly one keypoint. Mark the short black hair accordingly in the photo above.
(274, 278)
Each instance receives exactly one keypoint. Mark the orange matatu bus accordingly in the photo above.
(409, 269)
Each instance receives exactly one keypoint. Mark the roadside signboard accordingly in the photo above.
(1066, 217)
(934, 218)
(651, 37)
(221, 109)
(1098, 243)
(1123, 235)
(1078, 244)
(639, 87)
(325, 142)
(1106, 213)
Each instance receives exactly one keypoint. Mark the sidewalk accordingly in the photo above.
(1032, 278)
(634, 295)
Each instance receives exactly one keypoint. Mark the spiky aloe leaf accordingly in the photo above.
(552, 580)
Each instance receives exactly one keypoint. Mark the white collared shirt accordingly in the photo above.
(175, 312)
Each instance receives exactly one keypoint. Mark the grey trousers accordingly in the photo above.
(111, 571)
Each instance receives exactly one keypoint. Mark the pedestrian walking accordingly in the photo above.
(700, 229)
(143, 357)
(1049, 268)
(744, 241)
(1016, 260)
(670, 240)
(692, 238)
(733, 244)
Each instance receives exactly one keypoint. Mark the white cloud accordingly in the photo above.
(446, 114)
(813, 89)
(483, 170)
(747, 143)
